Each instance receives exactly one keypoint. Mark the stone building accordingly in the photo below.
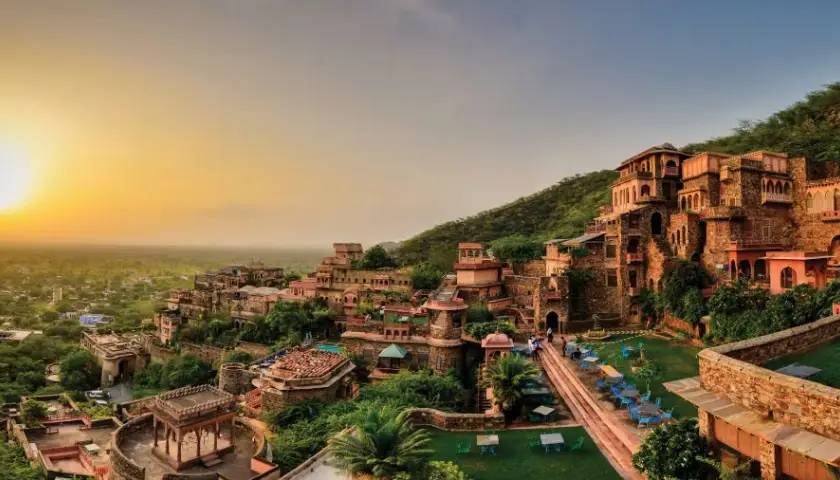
(787, 427)
(119, 356)
(758, 215)
(305, 374)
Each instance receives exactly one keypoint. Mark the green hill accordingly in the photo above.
(561, 210)
(809, 128)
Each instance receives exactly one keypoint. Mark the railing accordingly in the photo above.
(767, 197)
(721, 211)
(671, 171)
(635, 257)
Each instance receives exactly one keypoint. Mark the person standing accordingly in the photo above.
(550, 335)
(563, 345)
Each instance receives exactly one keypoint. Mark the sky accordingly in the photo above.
(299, 123)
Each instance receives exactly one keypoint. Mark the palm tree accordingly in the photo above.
(508, 376)
(383, 443)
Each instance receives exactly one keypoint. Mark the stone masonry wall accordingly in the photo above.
(457, 421)
(733, 370)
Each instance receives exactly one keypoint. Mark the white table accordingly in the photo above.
(487, 443)
(799, 371)
(551, 441)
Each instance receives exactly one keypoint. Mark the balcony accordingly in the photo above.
(767, 197)
(831, 216)
(721, 212)
(635, 257)
(634, 291)
(671, 172)
(650, 199)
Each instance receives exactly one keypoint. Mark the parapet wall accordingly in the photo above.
(456, 421)
(123, 468)
(734, 370)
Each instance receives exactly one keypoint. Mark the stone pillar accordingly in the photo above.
(166, 434)
(232, 433)
(179, 438)
(155, 429)
(706, 425)
(770, 461)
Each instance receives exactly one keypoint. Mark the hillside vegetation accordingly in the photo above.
(809, 128)
(561, 210)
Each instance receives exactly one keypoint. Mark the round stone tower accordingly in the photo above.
(234, 378)
(445, 344)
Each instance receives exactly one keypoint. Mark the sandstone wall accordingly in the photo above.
(457, 421)
(733, 371)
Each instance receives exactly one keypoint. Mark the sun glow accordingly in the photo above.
(14, 176)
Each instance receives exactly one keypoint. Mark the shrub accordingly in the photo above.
(671, 451)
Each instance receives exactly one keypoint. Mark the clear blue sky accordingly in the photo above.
(302, 122)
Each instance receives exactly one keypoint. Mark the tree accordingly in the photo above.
(478, 313)
(425, 277)
(681, 290)
(79, 371)
(417, 389)
(725, 472)
(15, 466)
(183, 371)
(508, 376)
(33, 412)
(375, 258)
(671, 451)
(383, 443)
(438, 470)
(239, 356)
(517, 248)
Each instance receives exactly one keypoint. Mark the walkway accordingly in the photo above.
(617, 441)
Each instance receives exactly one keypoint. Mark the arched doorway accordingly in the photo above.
(744, 270)
(656, 224)
(788, 279)
(552, 321)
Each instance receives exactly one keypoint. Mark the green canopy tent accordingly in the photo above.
(393, 354)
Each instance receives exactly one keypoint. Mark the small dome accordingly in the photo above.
(497, 340)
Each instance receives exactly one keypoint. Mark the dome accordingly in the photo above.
(497, 340)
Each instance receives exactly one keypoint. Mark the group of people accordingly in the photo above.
(534, 342)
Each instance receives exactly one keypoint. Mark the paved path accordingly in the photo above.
(617, 441)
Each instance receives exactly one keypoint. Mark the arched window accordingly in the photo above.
(683, 204)
(634, 194)
(788, 277)
(836, 199)
(828, 202)
(760, 269)
(733, 270)
(679, 237)
(779, 188)
(787, 188)
(697, 201)
(685, 234)
(744, 269)
(645, 191)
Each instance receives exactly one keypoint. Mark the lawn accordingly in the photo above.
(675, 360)
(516, 460)
(826, 357)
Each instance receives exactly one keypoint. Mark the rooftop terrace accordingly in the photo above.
(306, 364)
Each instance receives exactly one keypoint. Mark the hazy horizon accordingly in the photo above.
(280, 124)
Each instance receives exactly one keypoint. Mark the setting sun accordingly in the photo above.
(14, 176)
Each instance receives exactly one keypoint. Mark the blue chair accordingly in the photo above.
(659, 402)
(634, 413)
(601, 385)
(646, 397)
(626, 402)
(645, 421)
(666, 416)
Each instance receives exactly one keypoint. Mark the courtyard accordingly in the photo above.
(825, 357)
(516, 459)
(675, 360)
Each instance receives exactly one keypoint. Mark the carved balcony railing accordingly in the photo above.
(767, 197)
(635, 257)
(671, 171)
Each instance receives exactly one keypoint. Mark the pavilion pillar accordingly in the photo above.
(179, 438)
(215, 437)
(155, 429)
(231, 433)
(198, 443)
(166, 433)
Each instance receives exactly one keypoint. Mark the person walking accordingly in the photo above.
(563, 345)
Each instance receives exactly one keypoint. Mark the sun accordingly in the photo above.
(14, 176)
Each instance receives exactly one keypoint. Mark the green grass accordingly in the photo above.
(516, 460)
(675, 360)
(826, 357)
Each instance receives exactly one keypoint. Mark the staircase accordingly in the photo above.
(211, 460)
(616, 441)
(483, 403)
